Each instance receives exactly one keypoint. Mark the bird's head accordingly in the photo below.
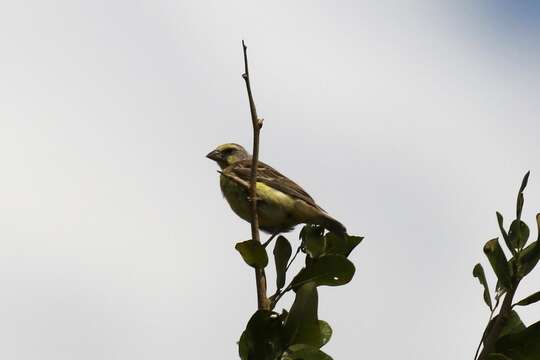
(228, 154)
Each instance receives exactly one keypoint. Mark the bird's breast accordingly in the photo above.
(237, 197)
(275, 208)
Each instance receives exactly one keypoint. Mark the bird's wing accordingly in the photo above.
(273, 178)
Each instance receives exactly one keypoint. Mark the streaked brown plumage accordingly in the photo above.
(282, 204)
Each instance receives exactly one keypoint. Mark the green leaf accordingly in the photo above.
(313, 240)
(519, 205)
(326, 332)
(512, 325)
(498, 262)
(505, 234)
(524, 182)
(331, 270)
(520, 200)
(310, 230)
(341, 244)
(244, 345)
(528, 259)
(531, 299)
(522, 345)
(304, 352)
(478, 272)
(262, 337)
(282, 254)
(352, 242)
(253, 253)
(336, 244)
(518, 234)
(316, 334)
(303, 312)
(529, 256)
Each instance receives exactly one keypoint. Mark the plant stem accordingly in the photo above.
(294, 257)
(260, 277)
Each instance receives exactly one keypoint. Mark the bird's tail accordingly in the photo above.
(331, 224)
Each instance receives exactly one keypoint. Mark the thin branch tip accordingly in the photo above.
(262, 299)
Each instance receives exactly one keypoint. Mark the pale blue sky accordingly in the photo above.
(412, 122)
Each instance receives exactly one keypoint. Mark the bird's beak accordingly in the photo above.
(214, 155)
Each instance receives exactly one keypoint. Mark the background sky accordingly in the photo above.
(412, 122)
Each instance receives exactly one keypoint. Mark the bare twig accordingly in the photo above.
(235, 178)
(260, 277)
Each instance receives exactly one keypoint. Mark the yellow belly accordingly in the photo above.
(276, 210)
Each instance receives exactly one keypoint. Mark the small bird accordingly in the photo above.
(281, 203)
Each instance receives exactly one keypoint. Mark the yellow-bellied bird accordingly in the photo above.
(282, 204)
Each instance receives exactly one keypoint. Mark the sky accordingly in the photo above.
(411, 122)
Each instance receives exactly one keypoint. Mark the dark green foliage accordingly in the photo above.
(500, 220)
(520, 198)
(498, 262)
(282, 254)
(505, 336)
(313, 241)
(331, 270)
(302, 325)
(299, 333)
(521, 345)
(478, 272)
(341, 245)
(316, 334)
(262, 338)
(531, 299)
(512, 325)
(303, 312)
(527, 260)
(253, 253)
(518, 234)
(352, 242)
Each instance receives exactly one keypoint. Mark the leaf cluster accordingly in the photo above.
(505, 336)
(297, 333)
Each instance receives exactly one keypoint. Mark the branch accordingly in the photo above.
(260, 277)
(231, 176)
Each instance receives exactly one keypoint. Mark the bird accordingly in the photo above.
(281, 203)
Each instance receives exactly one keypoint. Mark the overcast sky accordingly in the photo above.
(411, 122)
